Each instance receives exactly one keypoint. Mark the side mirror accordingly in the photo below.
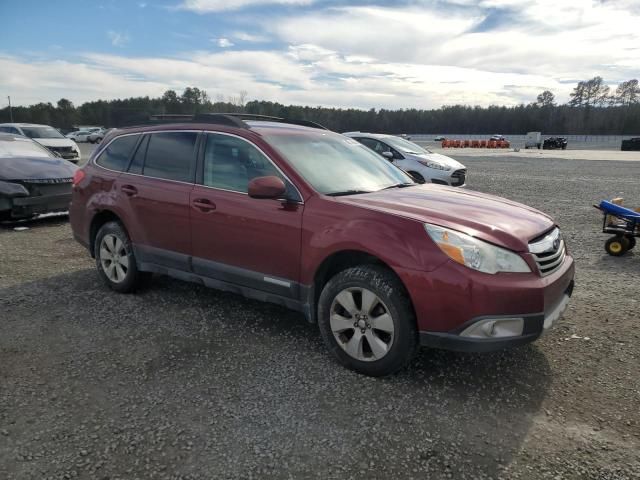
(388, 155)
(267, 187)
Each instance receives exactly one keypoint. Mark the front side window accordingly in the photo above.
(116, 155)
(42, 132)
(334, 164)
(230, 163)
(171, 155)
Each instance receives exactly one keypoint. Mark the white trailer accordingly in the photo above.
(533, 140)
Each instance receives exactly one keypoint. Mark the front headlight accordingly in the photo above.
(474, 253)
(432, 164)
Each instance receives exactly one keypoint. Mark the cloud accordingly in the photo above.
(208, 6)
(224, 42)
(118, 39)
(304, 74)
(578, 40)
(248, 37)
(416, 55)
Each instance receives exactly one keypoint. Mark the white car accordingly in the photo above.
(46, 136)
(423, 165)
(79, 136)
(98, 135)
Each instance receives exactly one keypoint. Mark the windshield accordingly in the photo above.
(41, 132)
(21, 147)
(335, 164)
(405, 145)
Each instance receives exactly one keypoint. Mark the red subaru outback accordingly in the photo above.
(291, 213)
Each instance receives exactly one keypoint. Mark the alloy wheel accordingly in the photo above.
(362, 324)
(113, 258)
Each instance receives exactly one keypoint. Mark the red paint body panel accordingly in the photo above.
(453, 294)
(258, 235)
(493, 219)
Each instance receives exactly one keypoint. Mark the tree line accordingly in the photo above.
(592, 109)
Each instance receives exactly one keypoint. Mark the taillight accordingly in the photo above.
(78, 177)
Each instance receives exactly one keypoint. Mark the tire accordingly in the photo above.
(396, 341)
(632, 242)
(417, 177)
(112, 240)
(617, 246)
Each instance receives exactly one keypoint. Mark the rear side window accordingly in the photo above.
(116, 155)
(171, 155)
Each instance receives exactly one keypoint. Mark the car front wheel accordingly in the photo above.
(417, 177)
(115, 259)
(367, 322)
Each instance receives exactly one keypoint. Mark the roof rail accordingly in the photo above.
(236, 120)
(268, 118)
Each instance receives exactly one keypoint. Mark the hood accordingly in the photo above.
(35, 168)
(493, 219)
(56, 142)
(437, 157)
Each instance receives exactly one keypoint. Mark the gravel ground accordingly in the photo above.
(179, 381)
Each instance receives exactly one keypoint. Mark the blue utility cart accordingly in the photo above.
(623, 223)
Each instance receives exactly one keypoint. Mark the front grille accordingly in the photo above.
(47, 187)
(458, 177)
(549, 251)
(61, 149)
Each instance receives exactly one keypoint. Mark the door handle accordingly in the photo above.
(129, 190)
(203, 205)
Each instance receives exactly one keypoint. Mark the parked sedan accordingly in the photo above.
(46, 136)
(32, 179)
(423, 165)
(79, 136)
(98, 135)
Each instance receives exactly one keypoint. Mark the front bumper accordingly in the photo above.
(534, 325)
(461, 309)
(456, 179)
(23, 207)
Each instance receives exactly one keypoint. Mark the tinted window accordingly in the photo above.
(171, 155)
(10, 130)
(230, 163)
(138, 158)
(116, 155)
(372, 144)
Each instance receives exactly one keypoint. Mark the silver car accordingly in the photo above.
(423, 165)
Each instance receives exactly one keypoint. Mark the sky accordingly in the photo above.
(362, 54)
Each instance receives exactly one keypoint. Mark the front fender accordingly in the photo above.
(329, 228)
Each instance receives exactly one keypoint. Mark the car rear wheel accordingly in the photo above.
(367, 322)
(115, 259)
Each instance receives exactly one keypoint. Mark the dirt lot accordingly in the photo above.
(183, 382)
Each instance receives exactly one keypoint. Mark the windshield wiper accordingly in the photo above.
(347, 192)
(399, 185)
